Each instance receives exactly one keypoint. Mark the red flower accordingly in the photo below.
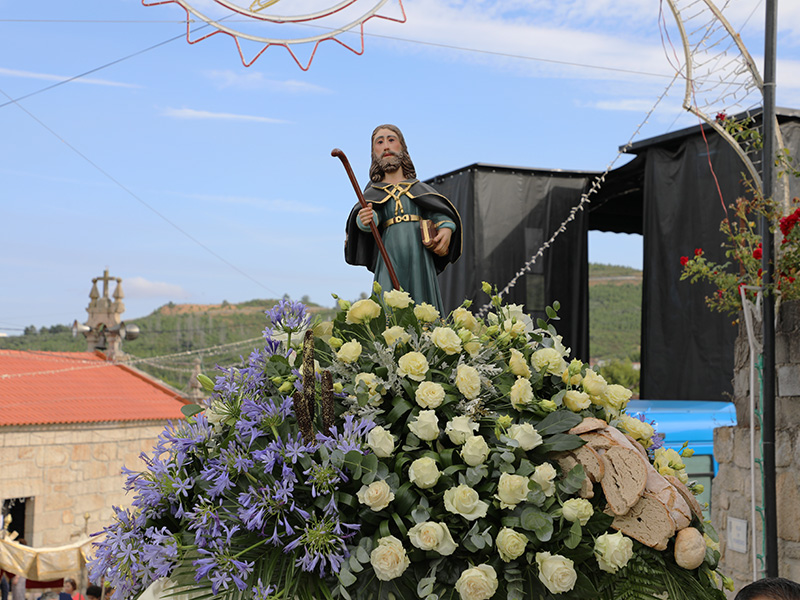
(684, 260)
(757, 253)
(719, 293)
(721, 116)
(698, 252)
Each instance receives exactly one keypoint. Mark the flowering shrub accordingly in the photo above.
(743, 247)
(399, 453)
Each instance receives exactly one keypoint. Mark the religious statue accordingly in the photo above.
(397, 202)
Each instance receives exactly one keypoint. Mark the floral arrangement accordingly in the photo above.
(743, 240)
(397, 453)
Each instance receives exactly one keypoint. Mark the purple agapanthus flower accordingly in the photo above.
(323, 549)
(288, 316)
(353, 433)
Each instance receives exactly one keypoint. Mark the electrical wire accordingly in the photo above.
(133, 195)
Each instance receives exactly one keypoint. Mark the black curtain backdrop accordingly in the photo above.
(507, 215)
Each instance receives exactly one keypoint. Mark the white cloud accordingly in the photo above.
(139, 287)
(49, 77)
(191, 113)
(253, 80)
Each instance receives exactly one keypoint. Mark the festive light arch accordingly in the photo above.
(250, 22)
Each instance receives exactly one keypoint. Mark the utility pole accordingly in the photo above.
(768, 315)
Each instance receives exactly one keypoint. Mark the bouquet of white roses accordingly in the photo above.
(412, 455)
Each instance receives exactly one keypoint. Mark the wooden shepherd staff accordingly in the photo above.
(340, 155)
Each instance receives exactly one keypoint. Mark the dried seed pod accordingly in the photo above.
(303, 417)
(309, 380)
(328, 409)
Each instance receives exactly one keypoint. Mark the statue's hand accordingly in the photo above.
(442, 241)
(365, 215)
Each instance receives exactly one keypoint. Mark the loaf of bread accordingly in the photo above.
(648, 522)
(690, 548)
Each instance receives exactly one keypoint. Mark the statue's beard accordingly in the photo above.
(391, 163)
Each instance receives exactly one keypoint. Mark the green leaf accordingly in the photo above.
(191, 410)
(540, 523)
(573, 481)
(574, 537)
(346, 578)
(400, 408)
(370, 466)
(561, 442)
(558, 422)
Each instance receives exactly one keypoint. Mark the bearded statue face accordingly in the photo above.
(389, 153)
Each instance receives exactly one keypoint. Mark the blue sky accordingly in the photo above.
(198, 180)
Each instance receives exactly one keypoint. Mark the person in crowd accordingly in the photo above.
(71, 588)
(5, 586)
(774, 588)
(94, 592)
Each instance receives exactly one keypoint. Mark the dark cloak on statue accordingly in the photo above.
(360, 248)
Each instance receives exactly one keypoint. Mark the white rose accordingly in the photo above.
(544, 476)
(475, 451)
(397, 299)
(615, 397)
(638, 430)
(549, 359)
(468, 381)
(362, 311)
(413, 365)
(446, 340)
(377, 495)
(389, 558)
(349, 352)
(426, 312)
(424, 473)
(395, 334)
(556, 572)
(432, 536)
(613, 551)
(577, 509)
(513, 327)
(518, 364)
(576, 401)
(381, 442)
(510, 544)
(425, 425)
(593, 384)
(526, 435)
(511, 490)
(517, 311)
(473, 347)
(464, 501)
(477, 583)
(369, 382)
(521, 393)
(464, 318)
(458, 429)
(572, 375)
(429, 394)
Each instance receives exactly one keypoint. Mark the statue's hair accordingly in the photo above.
(376, 173)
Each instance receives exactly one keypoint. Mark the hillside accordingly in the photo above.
(615, 312)
(172, 336)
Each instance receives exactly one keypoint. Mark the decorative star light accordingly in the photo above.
(286, 23)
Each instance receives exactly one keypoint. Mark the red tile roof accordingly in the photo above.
(79, 387)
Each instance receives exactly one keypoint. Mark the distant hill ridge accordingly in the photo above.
(615, 296)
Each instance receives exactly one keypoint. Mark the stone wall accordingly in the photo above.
(731, 486)
(70, 471)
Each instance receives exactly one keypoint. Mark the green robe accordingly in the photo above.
(416, 267)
